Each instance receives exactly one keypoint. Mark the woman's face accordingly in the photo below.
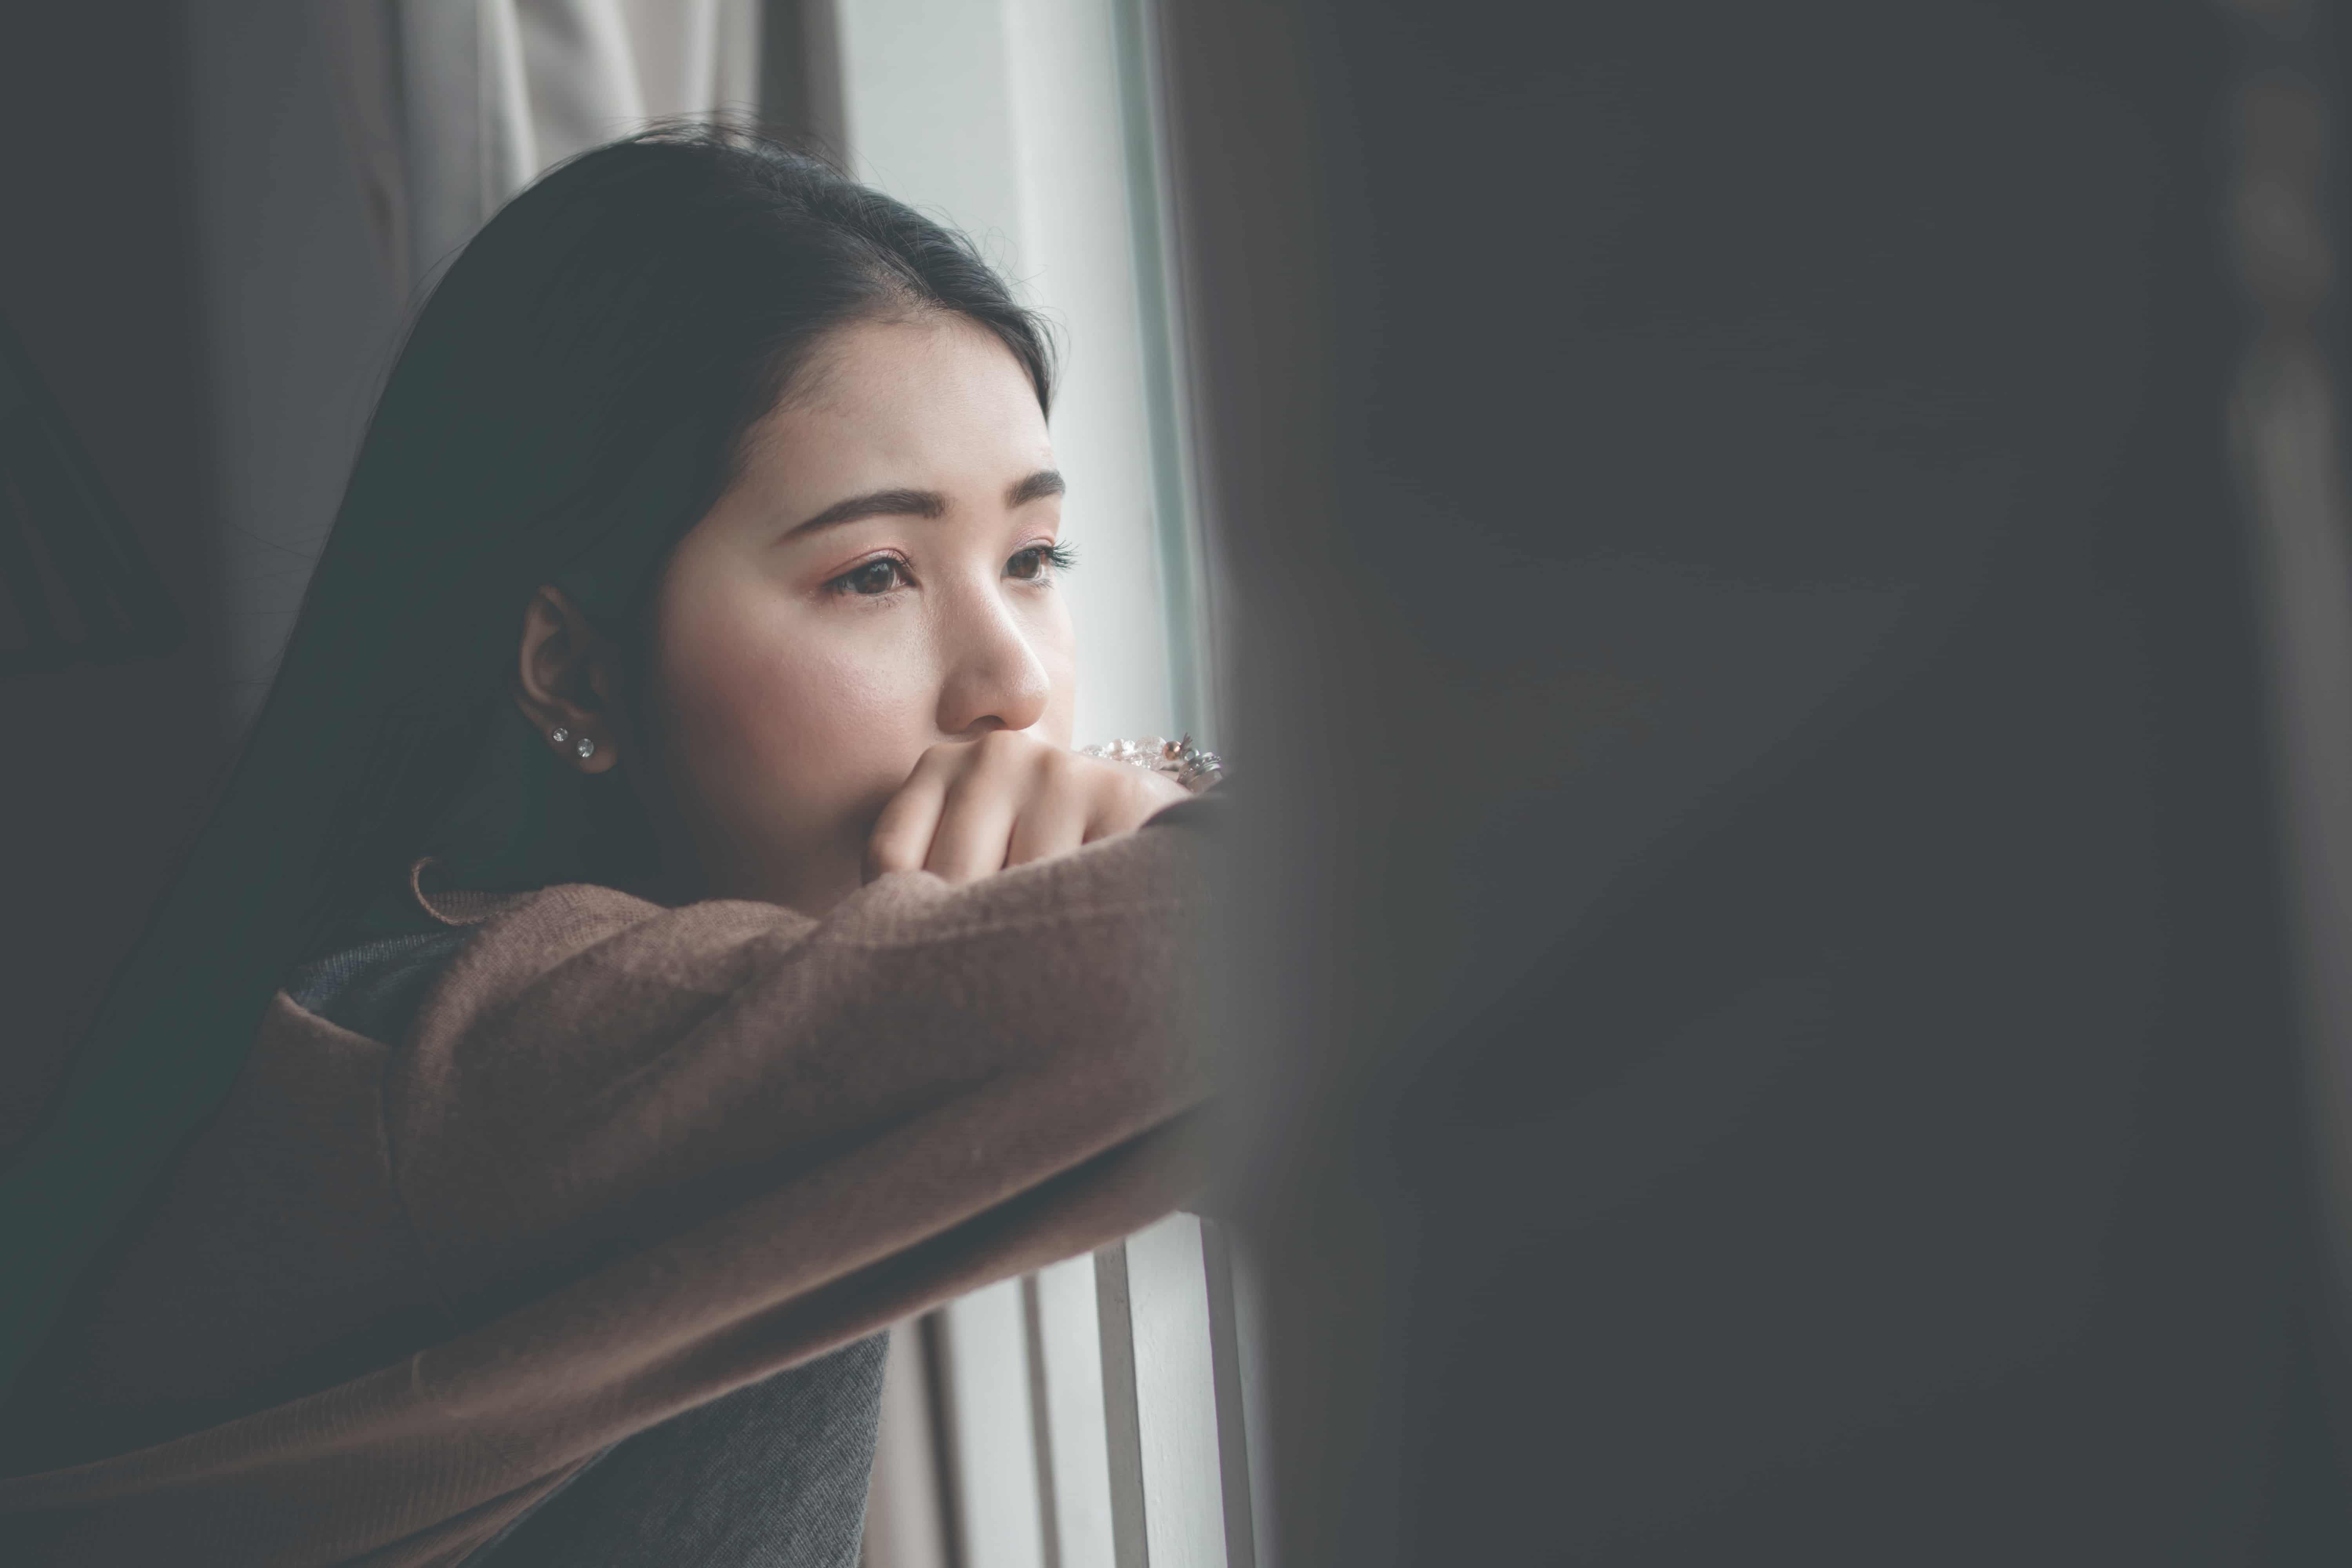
(881, 578)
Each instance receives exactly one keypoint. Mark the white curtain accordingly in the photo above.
(453, 106)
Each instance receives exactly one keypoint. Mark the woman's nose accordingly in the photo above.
(994, 678)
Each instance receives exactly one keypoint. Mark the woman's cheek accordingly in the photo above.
(795, 723)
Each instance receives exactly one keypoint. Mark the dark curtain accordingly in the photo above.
(1764, 992)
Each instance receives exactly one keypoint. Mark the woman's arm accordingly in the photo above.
(598, 1074)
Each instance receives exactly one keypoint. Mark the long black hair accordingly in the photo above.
(575, 394)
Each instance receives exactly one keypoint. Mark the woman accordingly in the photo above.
(656, 935)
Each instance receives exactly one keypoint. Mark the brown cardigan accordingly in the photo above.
(630, 1158)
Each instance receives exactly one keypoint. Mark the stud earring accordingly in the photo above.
(586, 748)
(559, 734)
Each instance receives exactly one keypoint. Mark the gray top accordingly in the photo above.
(375, 988)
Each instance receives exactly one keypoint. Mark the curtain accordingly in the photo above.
(452, 106)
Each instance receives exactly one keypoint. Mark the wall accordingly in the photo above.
(102, 769)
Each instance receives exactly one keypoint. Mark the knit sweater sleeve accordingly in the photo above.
(596, 1075)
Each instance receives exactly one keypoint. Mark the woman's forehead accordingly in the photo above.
(934, 401)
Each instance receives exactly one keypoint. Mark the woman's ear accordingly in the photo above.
(566, 682)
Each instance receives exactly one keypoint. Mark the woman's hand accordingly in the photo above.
(973, 807)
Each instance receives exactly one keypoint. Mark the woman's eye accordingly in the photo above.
(1038, 560)
(871, 578)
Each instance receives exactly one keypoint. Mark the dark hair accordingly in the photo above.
(571, 399)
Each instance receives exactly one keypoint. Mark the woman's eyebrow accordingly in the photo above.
(875, 503)
(1037, 486)
(922, 504)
